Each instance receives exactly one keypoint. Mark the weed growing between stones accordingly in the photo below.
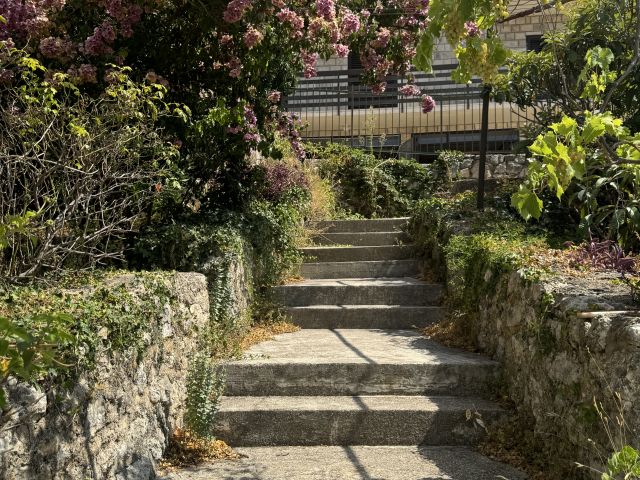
(205, 384)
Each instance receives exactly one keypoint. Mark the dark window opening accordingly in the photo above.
(535, 43)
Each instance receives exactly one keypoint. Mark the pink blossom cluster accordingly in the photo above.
(326, 9)
(428, 104)
(27, 18)
(83, 74)
(101, 42)
(382, 39)
(274, 96)
(341, 50)
(126, 15)
(57, 48)
(410, 90)
(235, 10)
(295, 21)
(235, 67)
(310, 61)
(252, 37)
(472, 29)
(350, 23)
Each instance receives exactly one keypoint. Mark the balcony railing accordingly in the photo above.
(338, 108)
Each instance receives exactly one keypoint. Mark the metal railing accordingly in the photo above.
(338, 108)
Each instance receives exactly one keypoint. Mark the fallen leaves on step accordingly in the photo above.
(186, 449)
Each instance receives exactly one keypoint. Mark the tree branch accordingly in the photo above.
(534, 10)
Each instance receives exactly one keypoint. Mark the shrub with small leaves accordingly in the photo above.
(205, 384)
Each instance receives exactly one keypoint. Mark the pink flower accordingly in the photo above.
(57, 48)
(310, 61)
(235, 67)
(226, 39)
(87, 73)
(350, 23)
(291, 17)
(472, 29)
(428, 104)
(252, 37)
(252, 137)
(341, 51)
(235, 10)
(100, 42)
(410, 90)
(326, 9)
(382, 40)
(278, 3)
(274, 96)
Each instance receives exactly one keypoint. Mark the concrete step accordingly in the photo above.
(358, 254)
(365, 316)
(361, 238)
(375, 269)
(352, 226)
(352, 463)
(347, 420)
(358, 362)
(366, 291)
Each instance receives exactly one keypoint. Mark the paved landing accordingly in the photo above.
(318, 346)
(353, 463)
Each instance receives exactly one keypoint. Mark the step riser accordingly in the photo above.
(355, 226)
(420, 295)
(326, 427)
(358, 254)
(362, 239)
(358, 379)
(402, 268)
(400, 319)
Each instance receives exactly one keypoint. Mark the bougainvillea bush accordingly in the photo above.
(230, 62)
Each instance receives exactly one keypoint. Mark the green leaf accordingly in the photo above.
(527, 203)
(594, 128)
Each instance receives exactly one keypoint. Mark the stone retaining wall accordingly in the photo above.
(497, 166)
(557, 364)
(565, 344)
(117, 420)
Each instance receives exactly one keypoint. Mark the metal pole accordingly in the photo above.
(484, 133)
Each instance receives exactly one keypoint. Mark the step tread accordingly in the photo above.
(360, 282)
(404, 246)
(357, 346)
(353, 463)
(337, 308)
(409, 261)
(357, 403)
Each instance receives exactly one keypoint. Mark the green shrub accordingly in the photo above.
(368, 186)
(205, 384)
(79, 174)
(90, 318)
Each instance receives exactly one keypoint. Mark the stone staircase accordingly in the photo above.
(358, 393)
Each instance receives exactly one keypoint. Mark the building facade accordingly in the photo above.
(337, 107)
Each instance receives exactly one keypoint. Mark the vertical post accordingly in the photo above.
(484, 133)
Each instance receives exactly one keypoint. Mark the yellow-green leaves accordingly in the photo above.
(477, 55)
(527, 203)
(596, 74)
(561, 155)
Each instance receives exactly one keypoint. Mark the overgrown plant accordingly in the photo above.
(79, 174)
(205, 384)
(368, 186)
(593, 159)
(28, 351)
